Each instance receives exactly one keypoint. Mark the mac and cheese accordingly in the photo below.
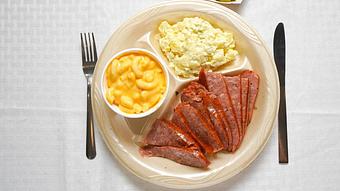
(135, 83)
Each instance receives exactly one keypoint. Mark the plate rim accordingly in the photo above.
(267, 137)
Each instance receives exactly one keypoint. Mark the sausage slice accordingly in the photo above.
(253, 91)
(166, 133)
(186, 156)
(234, 89)
(244, 103)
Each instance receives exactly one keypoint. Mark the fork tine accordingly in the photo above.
(90, 45)
(82, 48)
(94, 49)
(87, 48)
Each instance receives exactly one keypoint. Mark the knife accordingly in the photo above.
(280, 61)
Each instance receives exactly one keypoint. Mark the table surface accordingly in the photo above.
(43, 96)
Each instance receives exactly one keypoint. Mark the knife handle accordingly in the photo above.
(283, 140)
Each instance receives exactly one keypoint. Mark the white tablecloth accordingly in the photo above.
(43, 96)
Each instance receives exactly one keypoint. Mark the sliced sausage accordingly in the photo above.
(253, 91)
(214, 82)
(234, 89)
(165, 133)
(190, 95)
(221, 119)
(179, 120)
(198, 96)
(216, 119)
(244, 103)
(186, 156)
(200, 129)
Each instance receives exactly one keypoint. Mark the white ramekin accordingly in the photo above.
(104, 84)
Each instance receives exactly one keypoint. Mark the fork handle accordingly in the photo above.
(90, 142)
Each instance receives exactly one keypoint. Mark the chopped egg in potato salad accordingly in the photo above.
(194, 43)
(135, 83)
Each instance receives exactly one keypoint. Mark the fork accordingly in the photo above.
(89, 58)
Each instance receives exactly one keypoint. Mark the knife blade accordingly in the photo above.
(280, 61)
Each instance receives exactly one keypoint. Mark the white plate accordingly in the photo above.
(120, 133)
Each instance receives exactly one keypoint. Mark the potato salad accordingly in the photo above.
(194, 43)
